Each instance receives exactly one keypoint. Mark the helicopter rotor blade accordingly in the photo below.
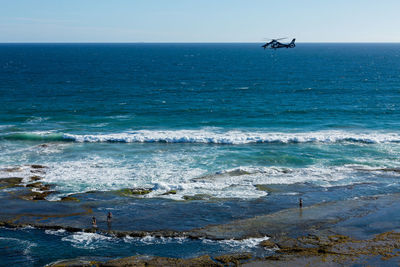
(270, 39)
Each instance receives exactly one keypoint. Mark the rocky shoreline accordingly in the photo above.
(310, 250)
(341, 233)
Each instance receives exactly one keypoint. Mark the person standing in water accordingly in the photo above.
(109, 217)
(94, 223)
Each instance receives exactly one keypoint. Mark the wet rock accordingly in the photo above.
(46, 187)
(120, 234)
(92, 192)
(10, 182)
(263, 187)
(37, 166)
(134, 191)
(272, 258)
(43, 145)
(171, 192)
(40, 186)
(338, 249)
(73, 263)
(205, 261)
(268, 244)
(69, 198)
(197, 197)
(90, 230)
(339, 239)
(13, 169)
(35, 178)
(235, 259)
(39, 171)
(35, 185)
(36, 195)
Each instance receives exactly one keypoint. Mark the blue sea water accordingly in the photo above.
(209, 119)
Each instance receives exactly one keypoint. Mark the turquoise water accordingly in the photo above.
(211, 119)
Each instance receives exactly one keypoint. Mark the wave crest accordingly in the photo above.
(214, 137)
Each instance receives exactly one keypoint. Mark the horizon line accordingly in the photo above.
(234, 42)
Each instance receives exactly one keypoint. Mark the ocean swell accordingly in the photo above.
(214, 137)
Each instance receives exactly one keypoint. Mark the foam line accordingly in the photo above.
(215, 137)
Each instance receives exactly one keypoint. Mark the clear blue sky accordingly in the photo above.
(199, 20)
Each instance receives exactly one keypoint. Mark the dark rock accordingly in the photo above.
(14, 169)
(40, 171)
(272, 258)
(171, 192)
(46, 187)
(197, 197)
(120, 234)
(233, 258)
(69, 198)
(37, 166)
(36, 195)
(43, 145)
(205, 261)
(40, 186)
(268, 244)
(134, 191)
(35, 178)
(35, 185)
(10, 182)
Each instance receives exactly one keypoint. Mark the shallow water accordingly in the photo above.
(32, 247)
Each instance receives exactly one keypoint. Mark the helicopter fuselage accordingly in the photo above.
(274, 44)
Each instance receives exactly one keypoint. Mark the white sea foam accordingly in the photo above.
(188, 170)
(164, 173)
(243, 244)
(214, 136)
(49, 148)
(27, 227)
(104, 174)
(88, 240)
(19, 244)
(236, 137)
(59, 232)
(150, 240)
(94, 241)
(15, 171)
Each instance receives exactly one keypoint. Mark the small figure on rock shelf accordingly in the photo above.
(94, 223)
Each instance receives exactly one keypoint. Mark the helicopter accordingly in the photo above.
(274, 44)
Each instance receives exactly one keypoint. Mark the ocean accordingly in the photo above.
(231, 130)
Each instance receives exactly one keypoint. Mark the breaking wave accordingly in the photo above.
(35, 136)
(88, 240)
(214, 137)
